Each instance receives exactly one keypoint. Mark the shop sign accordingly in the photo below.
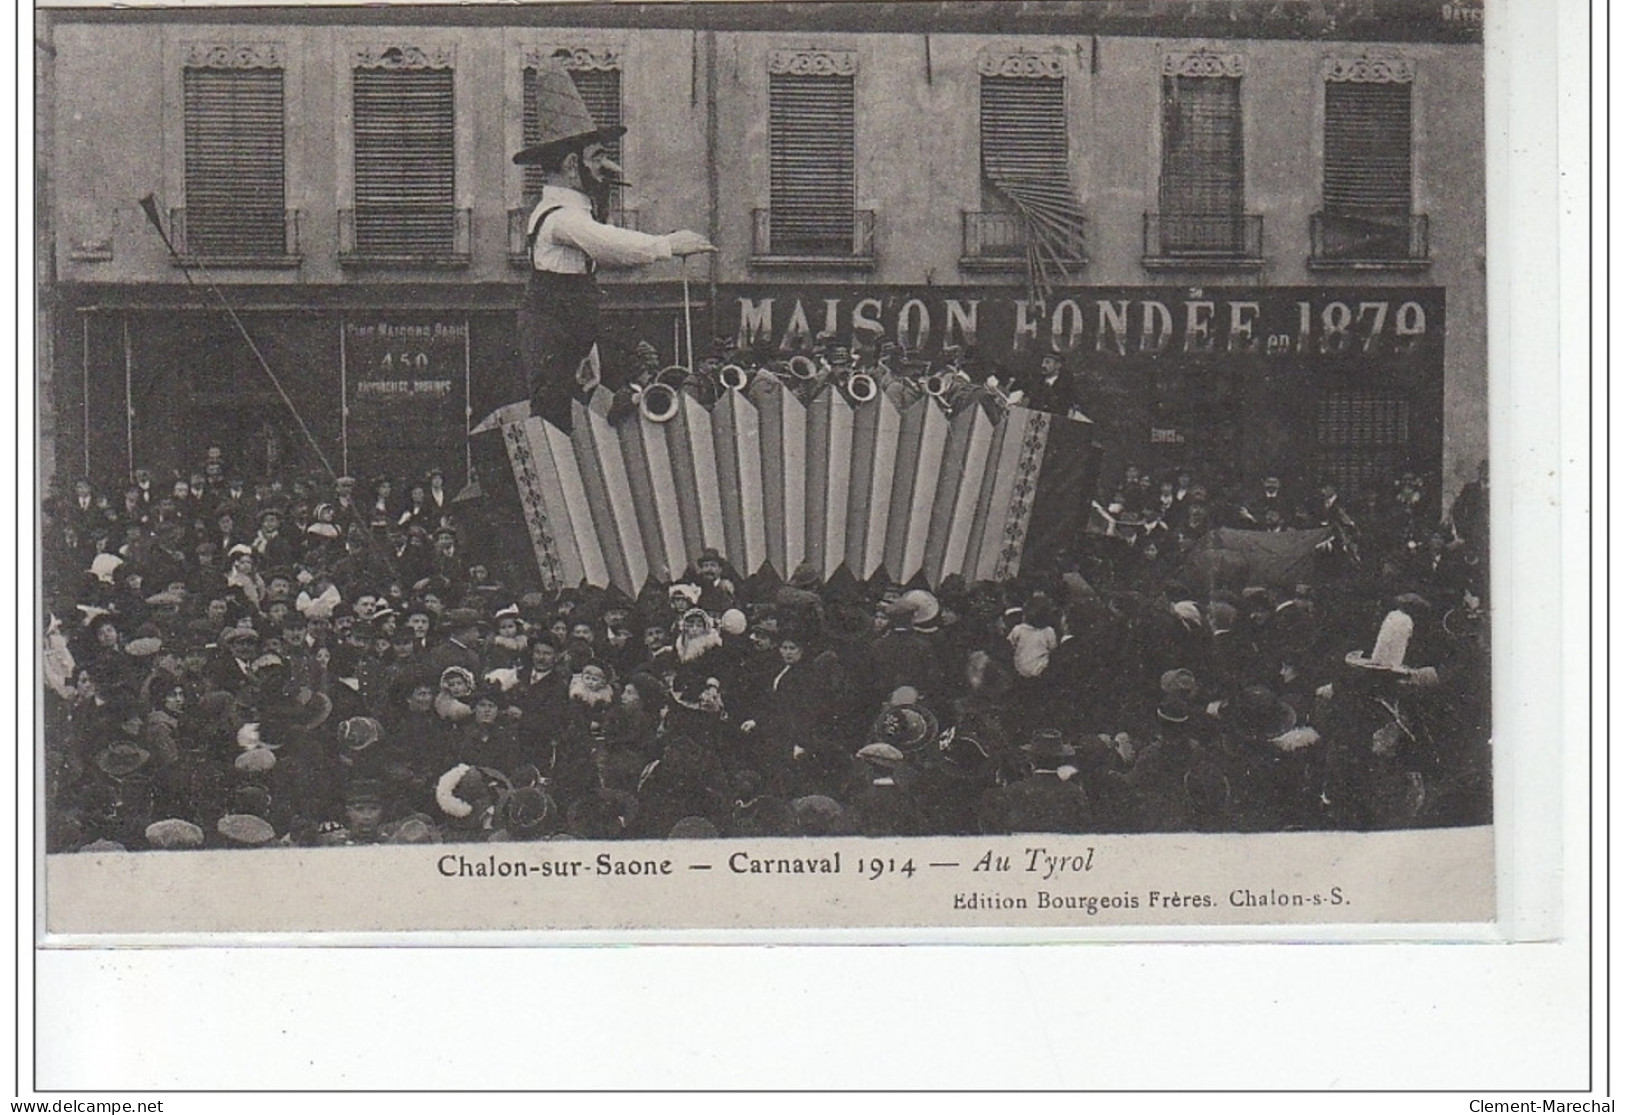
(1120, 322)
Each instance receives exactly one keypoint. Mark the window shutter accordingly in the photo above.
(1368, 149)
(600, 89)
(1025, 172)
(405, 162)
(1024, 130)
(234, 162)
(1202, 198)
(1202, 153)
(812, 183)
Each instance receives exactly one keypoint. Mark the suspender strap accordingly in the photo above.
(536, 230)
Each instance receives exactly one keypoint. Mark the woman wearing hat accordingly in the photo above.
(102, 648)
(631, 729)
(566, 239)
(243, 575)
(417, 742)
(698, 638)
(271, 545)
(759, 665)
(697, 710)
(485, 739)
(780, 733)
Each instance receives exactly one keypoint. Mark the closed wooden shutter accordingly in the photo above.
(234, 151)
(1024, 129)
(1202, 198)
(1368, 149)
(812, 184)
(600, 90)
(405, 163)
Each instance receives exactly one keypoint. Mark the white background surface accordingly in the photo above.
(1475, 1018)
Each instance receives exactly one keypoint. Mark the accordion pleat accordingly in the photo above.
(908, 491)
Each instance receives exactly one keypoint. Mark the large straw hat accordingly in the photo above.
(561, 116)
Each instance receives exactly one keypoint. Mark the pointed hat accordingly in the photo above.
(561, 116)
(1393, 643)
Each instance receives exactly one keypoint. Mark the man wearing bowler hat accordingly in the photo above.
(567, 240)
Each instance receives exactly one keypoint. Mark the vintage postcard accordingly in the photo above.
(771, 466)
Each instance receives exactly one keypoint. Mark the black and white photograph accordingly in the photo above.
(525, 504)
(663, 456)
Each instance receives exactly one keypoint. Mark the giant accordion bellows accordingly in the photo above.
(769, 480)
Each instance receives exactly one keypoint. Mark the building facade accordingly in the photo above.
(1255, 229)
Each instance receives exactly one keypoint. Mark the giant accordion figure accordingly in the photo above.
(774, 478)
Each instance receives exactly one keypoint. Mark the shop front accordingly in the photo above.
(1312, 383)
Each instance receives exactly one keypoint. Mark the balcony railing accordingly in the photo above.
(517, 219)
(235, 237)
(998, 242)
(404, 236)
(1199, 241)
(813, 238)
(1341, 240)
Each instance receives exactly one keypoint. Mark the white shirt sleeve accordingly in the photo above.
(607, 245)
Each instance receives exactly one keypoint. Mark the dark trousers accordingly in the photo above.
(558, 325)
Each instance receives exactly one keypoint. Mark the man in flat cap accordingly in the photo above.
(567, 239)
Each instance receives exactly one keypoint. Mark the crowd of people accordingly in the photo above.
(308, 662)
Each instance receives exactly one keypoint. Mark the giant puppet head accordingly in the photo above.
(567, 140)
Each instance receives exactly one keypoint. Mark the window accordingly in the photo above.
(1366, 175)
(1030, 210)
(811, 158)
(234, 160)
(1023, 130)
(1202, 197)
(1198, 417)
(1362, 438)
(405, 161)
(599, 83)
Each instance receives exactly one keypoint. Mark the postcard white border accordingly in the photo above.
(1391, 1016)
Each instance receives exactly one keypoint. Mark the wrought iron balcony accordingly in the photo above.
(1216, 241)
(235, 237)
(404, 236)
(998, 242)
(517, 218)
(813, 237)
(1351, 242)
